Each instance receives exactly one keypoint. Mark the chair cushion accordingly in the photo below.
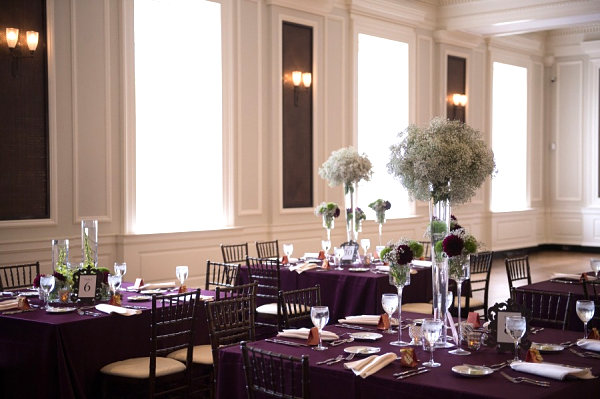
(139, 367)
(473, 302)
(268, 308)
(202, 355)
(418, 307)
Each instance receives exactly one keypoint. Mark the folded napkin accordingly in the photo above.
(383, 268)
(302, 333)
(370, 365)
(155, 286)
(365, 319)
(421, 263)
(566, 276)
(589, 344)
(384, 322)
(474, 319)
(302, 267)
(207, 298)
(551, 370)
(10, 304)
(103, 307)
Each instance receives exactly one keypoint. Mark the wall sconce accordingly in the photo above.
(458, 100)
(300, 77)
(12, 40)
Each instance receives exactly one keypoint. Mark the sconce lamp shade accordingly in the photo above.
(306, 79)
(459, 99)
(296, 78)
(12, 37)
(32, 40)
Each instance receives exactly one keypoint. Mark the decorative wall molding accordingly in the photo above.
(311, 6)
(458, 38)
(413, 15)
(530, 45)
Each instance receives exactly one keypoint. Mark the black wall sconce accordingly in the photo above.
(12, 41)
(300, 77)
(458, 102)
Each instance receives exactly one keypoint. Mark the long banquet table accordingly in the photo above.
(336, 382)
(45, 355)
(349, 293)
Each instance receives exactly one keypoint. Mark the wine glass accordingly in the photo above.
(114, 283)
(326, 246)
(365, 243)
(338, 253)
(319, 316)
(515, 327)
(47, 285)
(432, 329)
(585, 312)
(120, 269)
(595, 264)
(389, 302)
(287, 250)
(182, 273)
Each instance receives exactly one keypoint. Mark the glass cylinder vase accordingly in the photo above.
(350, 200)
(439, 226)
(399, 277)
(89, 242)
(60, 253)
(328, 224)
(459, 271)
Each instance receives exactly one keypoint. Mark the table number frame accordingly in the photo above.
(87, 285)
(350, 252)
(497, 314)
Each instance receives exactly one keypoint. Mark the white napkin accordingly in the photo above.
(383, 268)
(421, 263)
(566, 276)
(154, 286)
(302, 333)
(291, 260)
(9, 304)
(589, 344)
(106, 308)
(207, 298)
(551, 370)
(370, 365)
(302, 267)
(308, 255)
(366, 319)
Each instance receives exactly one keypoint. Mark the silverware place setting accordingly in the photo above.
(585, 354)
(284, 342)
(518, 380)
(412, 373)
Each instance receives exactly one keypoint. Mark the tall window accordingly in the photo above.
(509, 137)
(178, 92)
(382, 114)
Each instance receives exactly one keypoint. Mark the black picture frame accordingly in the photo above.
(92, 285)
(494, 312)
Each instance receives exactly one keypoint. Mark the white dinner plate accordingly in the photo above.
(358, 269)
(139, 298)
(154, 291)
(362, 350)
(366, 336)
(60, 310)
(29, 293)
(547, 348)
(467, 370)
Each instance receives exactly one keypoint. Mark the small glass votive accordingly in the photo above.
(63, 294)
(474, 340)
(416, 334)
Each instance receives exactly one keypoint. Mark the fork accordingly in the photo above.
(327, 360)
(585, 354)
(336, 360)
(350, 356)
(518, 380)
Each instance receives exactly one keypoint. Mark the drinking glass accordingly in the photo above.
(114, 283)
(378, 249)
(432, 329)
(365, 243)
(338, 253)
(474, 340)
(595, 264)
(515, 327)
(120, 269)
(319, 316)
(415, 332)
(288, 249)
(389, 302)
(47, 284)
(326, 246)
(585, 312)
(459, 272)
(182, 273)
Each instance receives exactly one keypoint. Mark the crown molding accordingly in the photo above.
(591, 48)
(458, 38)
(413, 14)
(529, 45)
(312, 6)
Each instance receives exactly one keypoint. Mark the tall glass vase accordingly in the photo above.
(459, 271)
(439, 226)
(399, 277)
(328, 224)
(350, 199)
(89, 242)
(60, 253)
(381, 229)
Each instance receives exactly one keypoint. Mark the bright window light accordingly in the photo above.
(509, 137)
(382, 114)
(178, 92)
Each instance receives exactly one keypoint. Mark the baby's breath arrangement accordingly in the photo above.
(448, 160)
(346, 166)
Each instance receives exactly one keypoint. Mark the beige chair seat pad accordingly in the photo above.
(202, 354)
(419, 307)
(268, 308)
(139, 367)
(473, 302)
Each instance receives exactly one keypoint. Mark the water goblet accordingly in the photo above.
(595, 265)
(389, 303)
(432, 329)
(47, 284)
(326, 246)
(338, 253)
(320, 317)
(182, 273)
(585, 312)
(120, 269)
(515, 327)
(365, 243)
(288, 249)
(114, 283)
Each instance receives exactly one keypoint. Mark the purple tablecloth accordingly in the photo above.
(336, 382)
(352, 293)
(46, 355)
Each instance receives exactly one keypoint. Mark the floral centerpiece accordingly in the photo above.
(347, 167)
(380, 206)
(358, 217)
(329, 211)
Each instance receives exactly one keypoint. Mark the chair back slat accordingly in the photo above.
(18, 276)
(266, 273)
(517, 269)
(547, 308)
(248, 290)
(267, 249)
(234, 253)
(221, 274)
(296, 305)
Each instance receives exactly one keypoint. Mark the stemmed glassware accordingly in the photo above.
(585, 312)
(287, 250)
(389, 303)
(182, 274)
(320, 317)
(459, 271)
(47, 285)
(515, 327)
(338, 253)
(114, 283)
(378, 249)
(399, 277)
(120, 269)
(365, 243)
(432, 328)
(326, 246)
(595, 265)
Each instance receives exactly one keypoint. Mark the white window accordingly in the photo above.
(178, 114)
(509, 137)
(383, 93)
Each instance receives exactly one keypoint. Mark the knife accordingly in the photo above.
(283, 342)
(353, 327)
(410, 375)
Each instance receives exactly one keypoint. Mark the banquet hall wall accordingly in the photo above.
(90, 136)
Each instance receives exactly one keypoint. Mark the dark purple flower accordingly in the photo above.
(337, 212)
(404, 255)
(58, 276)
(452, 217)
(387, 205)
(36, 280)
(453, 245)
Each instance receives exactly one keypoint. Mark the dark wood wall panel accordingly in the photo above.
(457, 78)
(297, 42)
(24, 165)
